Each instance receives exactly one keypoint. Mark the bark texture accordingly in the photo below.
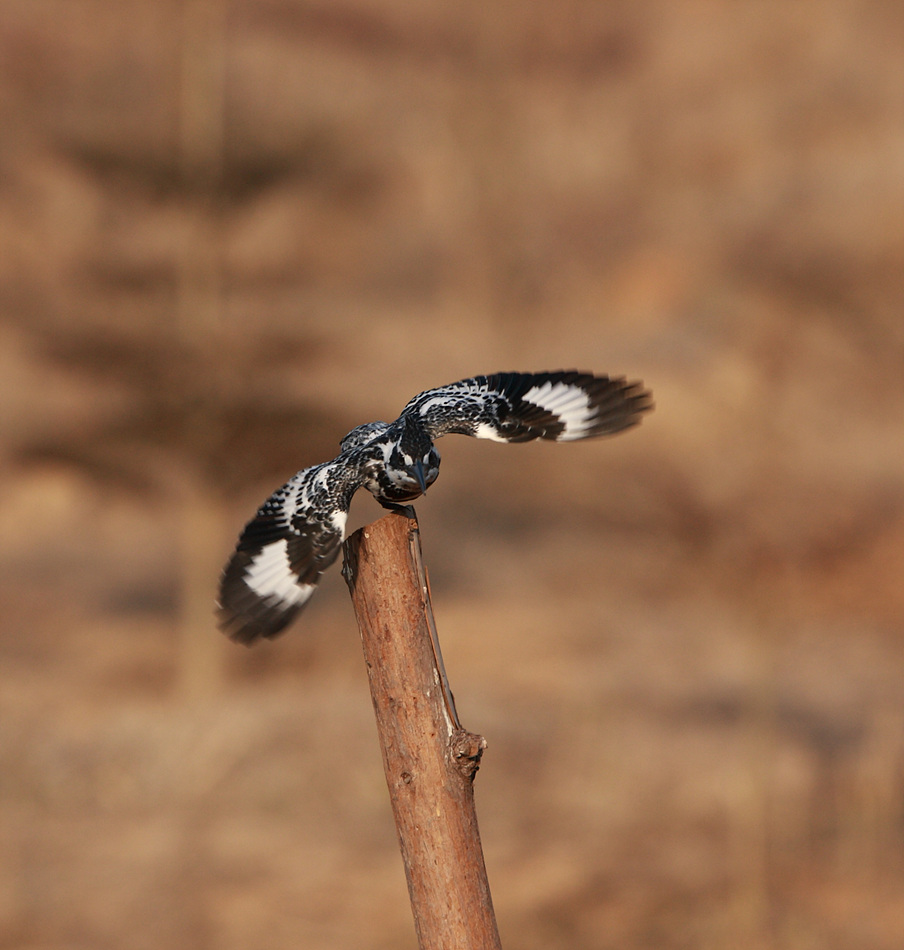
(430, 761)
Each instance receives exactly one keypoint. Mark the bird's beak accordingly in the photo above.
(419, 475)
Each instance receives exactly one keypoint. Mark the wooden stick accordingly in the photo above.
(429, 759)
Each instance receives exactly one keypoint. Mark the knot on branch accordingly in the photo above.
(466, 749)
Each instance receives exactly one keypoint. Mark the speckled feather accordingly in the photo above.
(297, 533)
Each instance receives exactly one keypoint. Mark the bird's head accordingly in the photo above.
(405, 465)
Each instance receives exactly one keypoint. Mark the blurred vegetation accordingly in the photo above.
(229, 232)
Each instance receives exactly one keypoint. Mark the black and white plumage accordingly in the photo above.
(297, 533)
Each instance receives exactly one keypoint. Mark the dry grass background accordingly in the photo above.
(231, 231)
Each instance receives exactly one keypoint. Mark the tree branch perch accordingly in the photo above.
(429, 759)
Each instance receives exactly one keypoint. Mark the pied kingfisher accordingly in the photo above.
(297, 532)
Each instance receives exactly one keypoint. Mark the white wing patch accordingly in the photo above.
(338, 520)
(485, 431)
(270, 576)
(570, 403)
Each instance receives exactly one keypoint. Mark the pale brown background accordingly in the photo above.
(230, 232)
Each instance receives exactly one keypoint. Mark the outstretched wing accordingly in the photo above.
(516, 407)
(293, 538)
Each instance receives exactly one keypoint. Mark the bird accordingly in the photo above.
(298, 531)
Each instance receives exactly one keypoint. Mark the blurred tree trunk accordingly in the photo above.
(201, 334)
